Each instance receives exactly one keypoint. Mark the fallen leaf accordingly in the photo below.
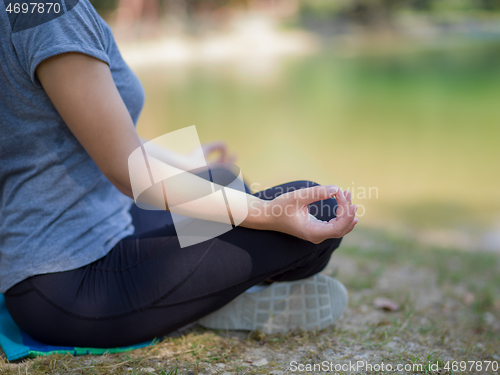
(496, 305)
(468, 298)
(384, 323)
(385, 304)
(260, 362)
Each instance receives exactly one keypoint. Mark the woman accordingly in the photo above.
(78, 266)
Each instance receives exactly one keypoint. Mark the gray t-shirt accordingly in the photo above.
(57, 210)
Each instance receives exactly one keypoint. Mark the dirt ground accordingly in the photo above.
(441, 316)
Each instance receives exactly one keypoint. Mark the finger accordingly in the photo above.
(348, 197)
(207, 150)
(320, 230)
(342, 205)
(351, 213)
(232, 158)
(223, 152)
(210, 147)
(220, 147)
(351, 227)
(313, 194)
(353, 209)
(342, 223)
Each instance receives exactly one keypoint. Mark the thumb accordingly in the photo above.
(314, 194)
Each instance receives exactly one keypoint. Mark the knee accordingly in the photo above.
(301, 184)
(226, 174)
(307, 183)
(223, 175)
(288, 187)
(325, 210)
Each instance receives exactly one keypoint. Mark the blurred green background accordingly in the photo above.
(396, 100)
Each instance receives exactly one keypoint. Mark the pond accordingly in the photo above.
(414, 134)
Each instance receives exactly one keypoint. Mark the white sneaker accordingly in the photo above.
(309, 304)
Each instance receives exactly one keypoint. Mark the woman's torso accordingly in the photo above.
(57, 210)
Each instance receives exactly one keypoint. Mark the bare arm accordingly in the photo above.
(170, 157)
(84, 93)
(185, 162)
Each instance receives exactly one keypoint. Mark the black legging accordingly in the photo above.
(147, 286)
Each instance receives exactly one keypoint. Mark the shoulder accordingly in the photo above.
(73, 26)
(44, 15)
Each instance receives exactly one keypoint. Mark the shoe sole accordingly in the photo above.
(309, 304)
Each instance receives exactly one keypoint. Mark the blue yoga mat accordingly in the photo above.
(17, 344)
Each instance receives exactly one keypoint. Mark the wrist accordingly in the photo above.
(259, 214)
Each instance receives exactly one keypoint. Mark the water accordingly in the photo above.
(420, 128)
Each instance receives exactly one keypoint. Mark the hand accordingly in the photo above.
(289, 214)
(220, 147)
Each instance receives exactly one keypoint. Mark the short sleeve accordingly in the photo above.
(78, 30)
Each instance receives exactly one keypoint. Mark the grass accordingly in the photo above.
(450, 311)
(478, 272)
